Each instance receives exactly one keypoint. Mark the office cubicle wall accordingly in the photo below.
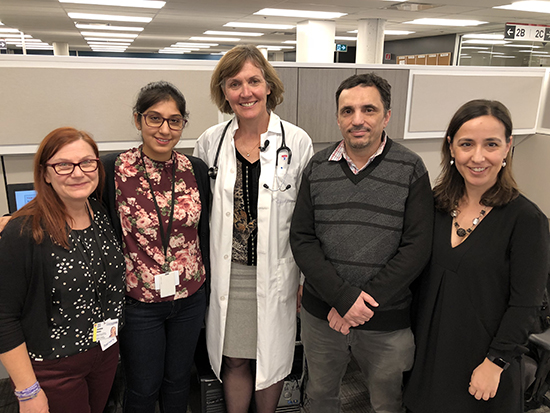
(40, 93)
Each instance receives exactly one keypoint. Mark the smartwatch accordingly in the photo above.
(499, 361)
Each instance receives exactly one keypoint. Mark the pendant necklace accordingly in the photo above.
(461, 232)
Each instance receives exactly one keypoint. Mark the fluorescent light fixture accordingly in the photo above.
(486, 36)
(107, 34)
(9, 31)
(495, 53)
(290, 42)
(199, 45)
(109, 17)
(349, 38)
(108, 27)
(108, 44)
(173, 51)
(540, 52)
(101, 39)
(15, 36)
(271, 48)
(231, 33)
(147, 4)
(306, 14)
(35, 41)
(108, 50)
(182, 49)
(397, 32)
(475, 47)
(266, 46)
(493, 42)
(520, 45)
(446, 22)
(532, 6)
(465, 56)
(244, 25)
(1, 24)
(506, 57)
(215, 39)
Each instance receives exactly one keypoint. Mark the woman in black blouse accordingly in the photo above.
(482, 291)
(61, 284)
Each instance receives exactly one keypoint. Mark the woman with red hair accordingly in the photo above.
(61, 284)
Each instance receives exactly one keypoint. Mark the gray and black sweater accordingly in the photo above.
(371, 232)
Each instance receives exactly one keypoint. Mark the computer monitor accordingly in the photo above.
(19, 195)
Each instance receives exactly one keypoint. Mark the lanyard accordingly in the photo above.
(164, 236)
(101, 295)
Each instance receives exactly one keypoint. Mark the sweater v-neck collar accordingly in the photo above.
(365, 172)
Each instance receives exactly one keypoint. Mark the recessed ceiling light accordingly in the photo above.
(100, 34)
(148, 4)
(200, 45)
(105, 39)
(475, 47)
(216, 39)
(16, 36)
(173, 51)
(520, 45)
(506, 57)
(260, 25)
(108, 27)
(109, 43)
(481, 41)
(27, 41)
(185, 49)
(308, 14)
(397, 32)
(265, 46)
(109, 17)
(446, 22)
(9, 31)
(532, 6)
(290, 42)
(231, 33)
(349, 38)
(483, 36)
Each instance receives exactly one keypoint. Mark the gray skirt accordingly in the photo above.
(241, 327)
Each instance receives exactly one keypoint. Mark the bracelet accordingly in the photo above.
(29, 393)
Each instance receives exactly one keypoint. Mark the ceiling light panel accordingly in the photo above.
(215, 39)
(446, 22)
(9, 31)
(531, 6)
(307, 14)
(100, 34)
(99, 39)
(244, 25)
(108, 27)
(148, 4)
(109, 17)
(483, 36)
(231, 33)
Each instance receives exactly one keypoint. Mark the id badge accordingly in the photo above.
(166, 283)
(106, 333)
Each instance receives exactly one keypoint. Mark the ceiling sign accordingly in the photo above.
(529, 32)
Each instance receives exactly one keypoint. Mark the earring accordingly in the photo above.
(452, 162)
(504, 163)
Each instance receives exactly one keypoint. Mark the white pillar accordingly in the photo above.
(370, 41)
(264, 52)
(60, 49)
(315, 41)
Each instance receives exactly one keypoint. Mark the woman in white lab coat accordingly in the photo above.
(256, 162)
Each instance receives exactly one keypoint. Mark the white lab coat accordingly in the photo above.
(277, 273)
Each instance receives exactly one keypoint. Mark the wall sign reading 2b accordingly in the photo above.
(530, 32)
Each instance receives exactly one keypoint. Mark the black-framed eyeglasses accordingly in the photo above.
(67, 168)
(154, 120)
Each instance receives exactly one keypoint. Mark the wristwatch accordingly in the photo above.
(499, 361)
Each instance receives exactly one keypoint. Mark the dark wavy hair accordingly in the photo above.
(155, 92)
(364, 80)
(47, 213)
(450, 186)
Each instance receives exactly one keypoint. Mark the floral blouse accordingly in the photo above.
(141, 237)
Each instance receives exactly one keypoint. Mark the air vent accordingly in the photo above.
(405, 6)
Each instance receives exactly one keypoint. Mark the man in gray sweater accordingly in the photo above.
(361, 233)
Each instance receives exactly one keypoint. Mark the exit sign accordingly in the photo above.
(341, 47)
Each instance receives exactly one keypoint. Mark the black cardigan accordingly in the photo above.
(203, 182)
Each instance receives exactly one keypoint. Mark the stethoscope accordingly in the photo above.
(213, 170)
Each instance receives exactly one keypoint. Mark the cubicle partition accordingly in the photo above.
(40, 93)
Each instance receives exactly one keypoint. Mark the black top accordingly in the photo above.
(477, 298)
(245, 211)
(47, 295)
